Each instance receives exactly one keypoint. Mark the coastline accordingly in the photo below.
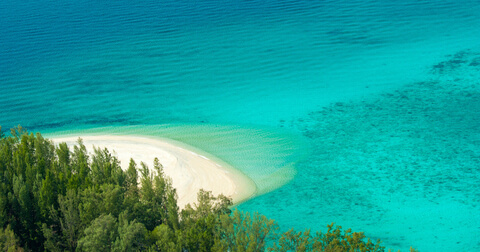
(190, 169)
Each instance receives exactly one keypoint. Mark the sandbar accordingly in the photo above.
(189, 168)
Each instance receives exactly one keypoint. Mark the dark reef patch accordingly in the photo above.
(422, 140)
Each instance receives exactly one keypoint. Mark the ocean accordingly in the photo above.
(361, 113)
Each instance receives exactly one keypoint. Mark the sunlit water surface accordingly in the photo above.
(362, 113)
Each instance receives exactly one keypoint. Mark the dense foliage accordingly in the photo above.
(56, 199)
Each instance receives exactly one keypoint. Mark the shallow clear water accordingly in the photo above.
(370, 106)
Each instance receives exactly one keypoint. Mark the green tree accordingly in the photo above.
(91, 205)
(132, 236)
(244, 232)
(146, 179)
(8, 241)
(105, 168)
(47, 195)
(70, 221)
(293, 241)
(199, 235)
(44, 154)
(131, 180)
(80, 165)
(53, 239)
(207, 204)
(198, 225)
(165, 196)
(100, 235)
(4, 206)
(111, 199)
(172, 208)
(18, 131)
(132, 192)
(165, 239)
(63, 154)
(23, 211)
(150, 206)
(336, 240)
(332, 241)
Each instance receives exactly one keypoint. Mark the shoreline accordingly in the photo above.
(190, 169)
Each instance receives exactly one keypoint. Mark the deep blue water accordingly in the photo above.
(382, 94)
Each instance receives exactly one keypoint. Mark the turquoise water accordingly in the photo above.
(365, 111)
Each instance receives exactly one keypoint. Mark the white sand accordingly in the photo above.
(189, 168)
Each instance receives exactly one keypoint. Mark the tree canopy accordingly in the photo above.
(53, 198)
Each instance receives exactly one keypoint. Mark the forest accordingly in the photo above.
(53, 198)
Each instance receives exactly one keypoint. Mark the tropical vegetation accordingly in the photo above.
(53, 198)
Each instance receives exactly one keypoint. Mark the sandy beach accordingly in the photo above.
(190, 169)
